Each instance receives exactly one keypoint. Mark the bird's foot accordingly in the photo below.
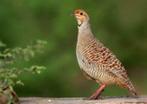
(98, 92)
(94, 97)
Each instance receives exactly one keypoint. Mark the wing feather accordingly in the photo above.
(96, 53)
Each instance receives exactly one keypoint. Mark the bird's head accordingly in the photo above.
(81, 16)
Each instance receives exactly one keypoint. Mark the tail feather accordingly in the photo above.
(128, 85)
(131, 89)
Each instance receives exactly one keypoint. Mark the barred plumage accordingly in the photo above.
(97, 61)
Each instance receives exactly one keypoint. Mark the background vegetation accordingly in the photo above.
(120, 24)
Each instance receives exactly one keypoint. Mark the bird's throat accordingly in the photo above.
(79, 23)
(83, 26)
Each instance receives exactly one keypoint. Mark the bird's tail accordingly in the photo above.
(131, 89)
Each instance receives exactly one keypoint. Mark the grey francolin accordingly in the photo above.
(97, 61)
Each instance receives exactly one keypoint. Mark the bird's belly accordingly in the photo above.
(99, 75)
(105, 78)
(95, 71)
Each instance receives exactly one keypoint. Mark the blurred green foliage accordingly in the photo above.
(10, 70)
(120, 24)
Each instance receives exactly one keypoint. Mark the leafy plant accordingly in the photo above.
(9, 70)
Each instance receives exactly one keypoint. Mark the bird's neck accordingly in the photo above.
(84, 31)
(84, 27)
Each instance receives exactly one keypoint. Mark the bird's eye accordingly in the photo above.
(81, 13)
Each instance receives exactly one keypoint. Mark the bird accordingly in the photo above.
(96, 61)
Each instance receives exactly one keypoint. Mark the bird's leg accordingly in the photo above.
(98, 92)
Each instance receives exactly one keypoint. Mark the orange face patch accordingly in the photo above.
(77, 11)
(80, 15)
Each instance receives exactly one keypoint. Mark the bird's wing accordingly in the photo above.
(97, 53)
